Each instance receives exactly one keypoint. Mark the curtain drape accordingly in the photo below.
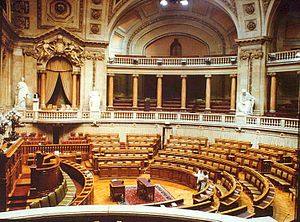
(55, 67)
(66, 79)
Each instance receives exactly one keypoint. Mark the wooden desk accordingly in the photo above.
(145, 189)
(117, 188)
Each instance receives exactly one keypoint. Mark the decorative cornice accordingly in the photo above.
(266, 4)
(65, 33)
(231, 4)
(251, 54)
(253, 41)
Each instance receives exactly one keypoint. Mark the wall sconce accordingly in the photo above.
(135, 61)
(233, 60)
(159, 61)
(207, 61)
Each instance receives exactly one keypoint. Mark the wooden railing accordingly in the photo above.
(62, 148)
(192, 61)
(10, 169)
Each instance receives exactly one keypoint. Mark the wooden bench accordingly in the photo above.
(230, 193)
(168, 203)
(283, 176)
(260, 189)
(119, 170)
(205, 206)
(241, 211)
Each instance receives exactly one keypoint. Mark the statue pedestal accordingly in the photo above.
(35, 104)
(94, 115)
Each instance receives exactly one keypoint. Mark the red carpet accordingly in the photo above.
(131, 197)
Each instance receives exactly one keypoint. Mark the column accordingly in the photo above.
(273, 92)
(208, 92)
(159, 92)
(183, 92)
(74, 89)
(110, 90)
(43, 88)
(135, 91)
(233, 92)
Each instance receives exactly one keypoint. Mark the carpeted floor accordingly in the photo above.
(131, 197)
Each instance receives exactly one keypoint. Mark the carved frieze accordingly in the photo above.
(94, 55)
(266, 4)
(45, 49)
(20, 11)
(251, 25)
(249, 8)
(251, 54)
(95, 14)
(95, 29)
(231, 4)
(64, 13)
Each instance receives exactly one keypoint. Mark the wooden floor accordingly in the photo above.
(283, 206)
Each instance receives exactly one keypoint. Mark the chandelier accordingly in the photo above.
(166, 2)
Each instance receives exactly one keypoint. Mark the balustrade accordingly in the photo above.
(284, 124)
(223, 60)
(293, 55)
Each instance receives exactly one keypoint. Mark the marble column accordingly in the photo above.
(110, 90)
(233, 92)
(273, 92)
(159, 92)
(43, 88)
(135, 91)
(74, 89)
(183, 92)
(208, 92)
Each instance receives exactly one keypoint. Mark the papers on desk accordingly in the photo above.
(173, 204)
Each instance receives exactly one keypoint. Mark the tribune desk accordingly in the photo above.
(145, 189)
(117, 190)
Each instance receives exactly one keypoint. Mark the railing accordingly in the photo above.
(257, 122)
(286, 56)
(195, 61)
(62, 148)
(87, 213)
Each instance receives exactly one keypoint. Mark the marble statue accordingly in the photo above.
(246, 103)
(23, 93)
(94, 101)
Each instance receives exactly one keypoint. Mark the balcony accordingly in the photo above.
(282, 125)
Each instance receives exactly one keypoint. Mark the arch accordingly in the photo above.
(123, 9)
(59, 79)
(140, 36)
(175, 34)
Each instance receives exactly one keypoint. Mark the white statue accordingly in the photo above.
(246, 103)
(22, 94)
(94, 101)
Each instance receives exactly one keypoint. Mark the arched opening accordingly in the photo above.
(58, 82)
(286, 23)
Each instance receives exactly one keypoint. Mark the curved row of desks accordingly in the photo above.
(84, 177)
